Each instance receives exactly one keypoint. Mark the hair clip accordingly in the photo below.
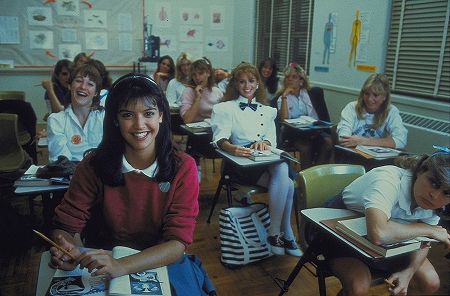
(206, 61)
(441, 150)
(292, 64)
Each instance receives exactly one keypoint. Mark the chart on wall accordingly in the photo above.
(38, 32)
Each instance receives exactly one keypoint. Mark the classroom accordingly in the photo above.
(315, 34)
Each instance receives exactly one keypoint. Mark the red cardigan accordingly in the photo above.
(139, 214)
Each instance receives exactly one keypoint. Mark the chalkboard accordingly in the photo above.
(37, 33)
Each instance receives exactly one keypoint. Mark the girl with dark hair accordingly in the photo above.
(145, 191)
(164, 72)
(269, 75)
(399, 202)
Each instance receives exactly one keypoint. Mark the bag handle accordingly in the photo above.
(260, 230)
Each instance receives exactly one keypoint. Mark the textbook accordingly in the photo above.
(356, 229)
(377, 151)
(307, 121)
(271, 154)
(29, 179)
(80, 282)
(201, 126)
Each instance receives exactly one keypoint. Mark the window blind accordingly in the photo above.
(418, 51)
(283, 31)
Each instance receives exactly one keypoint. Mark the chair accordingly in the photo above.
(12, 95)
(12, 156)
(317, 184)
(26, 123)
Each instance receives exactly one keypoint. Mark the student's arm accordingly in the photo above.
(56, 135)
(54, 102)
(402, 278)
(354, 140)
(190, 101)
(283, 112)
(381, 230)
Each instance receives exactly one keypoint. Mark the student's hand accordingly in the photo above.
(288, 90)
(99, 262)
(162, 74)
(240, 151)
(349, 141)
(259, 145)
(441, 234)
(401, 282)
(59, 260)
(47, 84)
(198, 89)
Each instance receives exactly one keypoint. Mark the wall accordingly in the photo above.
(342, 82)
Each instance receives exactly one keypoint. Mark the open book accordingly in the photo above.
(356, 229)
(271, 154)
(200, 126)
(377, 151)
(80, 282)
(307, 121)
(29, 179)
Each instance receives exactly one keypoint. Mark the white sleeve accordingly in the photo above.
(346, 123)
(56, 135)
(221, 122)
(171, 92)
(395, 128)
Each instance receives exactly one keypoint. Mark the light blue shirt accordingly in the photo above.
(66, 136)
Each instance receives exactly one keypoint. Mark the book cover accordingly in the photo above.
(263, 155)
(77, 282)
(29, 179)
(377, 151)
(307, 121)
(149, 282)
(200, 126)
(356, 229)
(80, 282)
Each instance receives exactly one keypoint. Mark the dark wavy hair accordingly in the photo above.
(107, 161)
(271, 81)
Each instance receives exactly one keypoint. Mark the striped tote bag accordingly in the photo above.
(243, 232)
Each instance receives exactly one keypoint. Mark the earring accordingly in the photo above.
(257, 86)
(160, 120)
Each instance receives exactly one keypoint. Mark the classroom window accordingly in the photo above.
(283, 31)
(418, 51)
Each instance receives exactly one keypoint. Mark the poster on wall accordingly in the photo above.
(191, 34)
(68, 51)
(40, 16)
(68, 8)
(216, 44)
(95, 19)
(217, 17)
(41, 39)
(163, 14)
(361, 55)
(191, 16)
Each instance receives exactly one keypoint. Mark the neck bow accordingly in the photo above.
(251, 106)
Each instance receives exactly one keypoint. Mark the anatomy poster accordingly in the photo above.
(191, 16)
(163, 14)
(190, 34)
(217, 44)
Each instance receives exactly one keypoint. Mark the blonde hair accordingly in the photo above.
(178, 73)
(379, 84)
(288, 70)
(232, 92)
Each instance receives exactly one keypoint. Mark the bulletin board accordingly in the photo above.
(37, 33)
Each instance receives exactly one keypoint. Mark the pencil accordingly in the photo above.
(38, 84)
(188, 85)
(55, 244)
(389, 283)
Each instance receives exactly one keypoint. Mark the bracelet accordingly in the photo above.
(220, 142)
(283, 97)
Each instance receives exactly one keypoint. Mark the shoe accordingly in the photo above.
(276, 244)
(243, 198)
(291, 247)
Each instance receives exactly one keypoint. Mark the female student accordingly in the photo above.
(399, 203)
(164, 72)
(295, 98)
(196, 105)
(177, 85)
(269, 74)
(106, 79)
(372, 119)
(146, 192)
(80, 59)
(242, 124)
(80, 126)
(57, 88)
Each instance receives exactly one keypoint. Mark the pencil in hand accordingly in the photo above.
(55, 245)
(391, 284)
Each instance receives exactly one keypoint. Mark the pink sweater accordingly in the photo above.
(139, 214)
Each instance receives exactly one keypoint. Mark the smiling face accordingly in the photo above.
(372, 100)
(428, 192)
(266, 70)
(247, 85)
(83, 91)
(200, 77)
(139, 124)
(63, 77)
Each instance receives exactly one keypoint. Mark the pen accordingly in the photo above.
(38, 84)
(55, 244)
(389, 283)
